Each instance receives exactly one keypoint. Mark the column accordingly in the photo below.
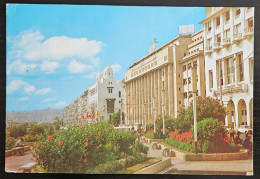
(236, 68)
(156, 92)
(140, 104)
(136, 101)
(248, 113)
(142, 99)
(236, 114)
(148, 97)
(166, 91)
(152, 96)
(170, 91)
(159, 91)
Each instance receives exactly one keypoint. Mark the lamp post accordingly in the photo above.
(163, 92)
(194, 91)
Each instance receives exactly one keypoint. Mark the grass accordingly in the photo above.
(139, 166)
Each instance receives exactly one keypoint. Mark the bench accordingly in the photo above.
(18, 150)
(167, 152)
(28, 167)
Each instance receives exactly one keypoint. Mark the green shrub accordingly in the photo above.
(140, 147)
(130, 160)
(18, 131)
(9, 143)
(206, 108)
(151, 136)
(37, 130)
(30, 138)
(180, 145)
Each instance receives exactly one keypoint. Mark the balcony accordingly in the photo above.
(249, 13)
(227, 22)
(208, 50)
(192, 54)
(249, 31)
(217, 46)
(237, 19)
(226, 42)
(237, 37)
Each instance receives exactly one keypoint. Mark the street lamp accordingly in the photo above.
(163, 92)
(194, 91)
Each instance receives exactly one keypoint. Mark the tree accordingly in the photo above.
(206, 108)
(18, 131)
(115, 119)
(37, 130)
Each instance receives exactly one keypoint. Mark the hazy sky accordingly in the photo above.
(55, 51)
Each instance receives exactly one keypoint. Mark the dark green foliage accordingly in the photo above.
(37, 130)
(115, 119)
(180, 145)
(206, 108)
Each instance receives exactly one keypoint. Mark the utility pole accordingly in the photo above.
(194, 91)
(220, 86)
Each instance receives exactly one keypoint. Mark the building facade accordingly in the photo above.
(229, 56)
(193, 57)
(155, 83)
(105, 96)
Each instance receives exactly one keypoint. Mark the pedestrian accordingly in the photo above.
(19, 143)
(139, 132)
(238, 140)
(247, 144)
(232, 133)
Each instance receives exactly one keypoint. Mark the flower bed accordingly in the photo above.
(78, 149)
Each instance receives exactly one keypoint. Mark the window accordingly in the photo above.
(238, 28)
(230, 70)
(179, 89)
(163, 73)
(110, 90)
(238, 11)
(218, 38)
(195, 64)
(227, 34)
(241, 67)
(179, 102)
(217, 21)
(208, 25)
(189, 65)
(185, 81)
(210, 79)
(227, 16)
(189, 80)
(249, 23)
(163, 85)
(184, 67)
(185, 95)
(119, 94)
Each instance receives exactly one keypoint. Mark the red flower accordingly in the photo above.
(209, 126)
(86, 139)
(33, 155)
(99, 133)
(204, 136)
(50, 137)
(61, 143)
(36, 159)
(85, 160)
(82, 127)
(213, 135)
(85, 154)
(86, 143)
(96, 147)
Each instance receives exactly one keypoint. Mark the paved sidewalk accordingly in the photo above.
(13, 163)
(235, 166)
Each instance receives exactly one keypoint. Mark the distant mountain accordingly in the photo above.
(41, 116)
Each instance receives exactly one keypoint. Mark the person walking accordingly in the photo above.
(238, 140)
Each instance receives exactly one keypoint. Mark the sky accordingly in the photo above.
(55, 51)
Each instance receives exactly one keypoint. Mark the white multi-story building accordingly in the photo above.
(106, 95)
(229, 56)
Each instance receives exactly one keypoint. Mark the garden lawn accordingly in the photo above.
(135, 168)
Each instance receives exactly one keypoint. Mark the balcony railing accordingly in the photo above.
(226, 41)
(249, 31)
(237, 36)
(217, 45)
(237, 17)
(192, 54)
(227, 22)
(208, 49)
(217, 27)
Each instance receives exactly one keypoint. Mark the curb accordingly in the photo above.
(202, 157)
(155, 168)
